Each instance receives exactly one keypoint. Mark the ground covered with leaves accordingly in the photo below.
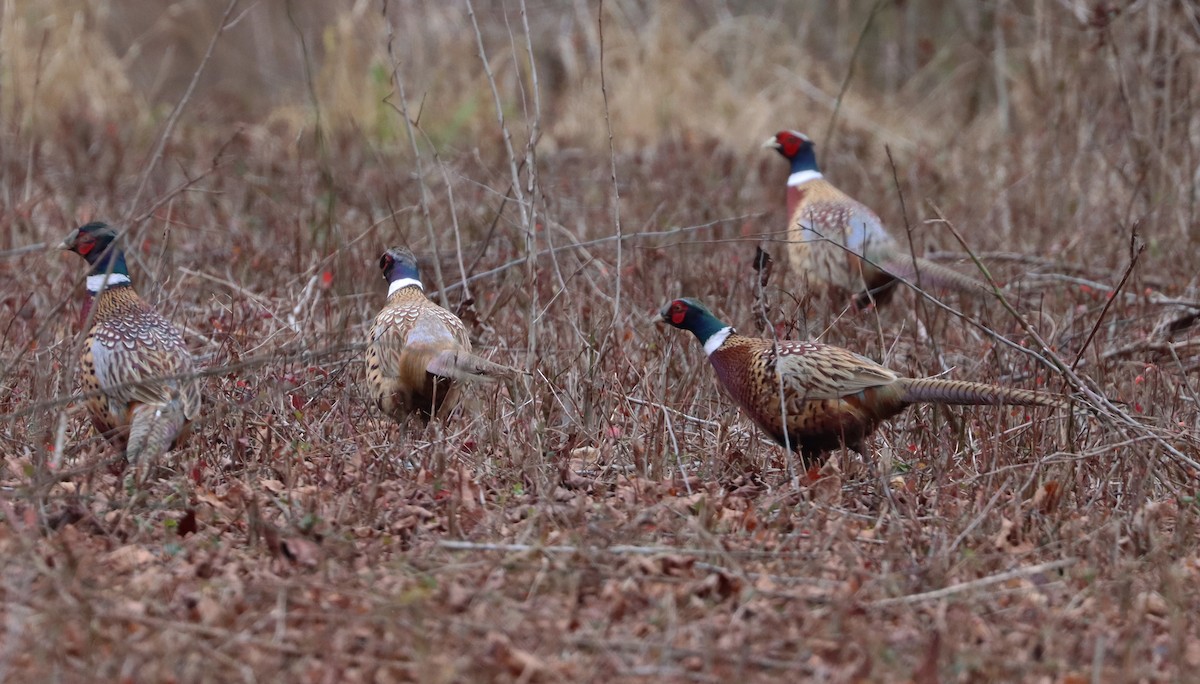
(610, 516)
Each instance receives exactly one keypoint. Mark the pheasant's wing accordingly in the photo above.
(818, 371)
(132, 355)
(386, 341)
(865, 233)
(425, 325)
(847, 222)
(437, 327)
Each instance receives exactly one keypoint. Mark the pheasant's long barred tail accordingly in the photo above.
(935, 275)
(465, 366)
(940, 391)
(153, 429)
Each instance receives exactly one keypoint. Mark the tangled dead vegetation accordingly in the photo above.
(610, 516)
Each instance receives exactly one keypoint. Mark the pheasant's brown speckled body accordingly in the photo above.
(830, 396)
(418, 353)
(135, 368)
(408, 327)
(821, 413)
(829, 234)
(836, 242)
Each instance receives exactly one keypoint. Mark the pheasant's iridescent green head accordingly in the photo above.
(797, 148)
(689, 314)
(97, 243)
(399, 268)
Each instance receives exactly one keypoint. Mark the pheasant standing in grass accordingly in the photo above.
(418, 352)
(135, 366)
(837, 242)
(833, 396)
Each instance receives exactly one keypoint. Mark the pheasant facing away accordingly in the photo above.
(418, 352)
(830, 233)
(128, 349)
(833, 396)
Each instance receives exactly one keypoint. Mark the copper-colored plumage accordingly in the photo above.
(817, 397)
(836, 242)
(418, 353)
(135, 367)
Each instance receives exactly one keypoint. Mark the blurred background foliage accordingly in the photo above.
(1002, 95)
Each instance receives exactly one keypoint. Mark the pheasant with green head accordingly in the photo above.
(836, 242)
(135, 368)
(418, 353)
(815, 397)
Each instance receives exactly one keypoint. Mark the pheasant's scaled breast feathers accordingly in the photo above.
(134, 347)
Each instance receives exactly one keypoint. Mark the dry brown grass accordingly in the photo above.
(611, 518)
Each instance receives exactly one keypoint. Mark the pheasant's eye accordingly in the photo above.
(385, 262)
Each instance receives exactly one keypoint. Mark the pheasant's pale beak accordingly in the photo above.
(771, 143)
(68, 242)
(655, 320)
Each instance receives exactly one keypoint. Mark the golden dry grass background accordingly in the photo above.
(614, 517)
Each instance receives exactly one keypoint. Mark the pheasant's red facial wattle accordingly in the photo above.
(85, 244)
(678, 313)
(790, 144)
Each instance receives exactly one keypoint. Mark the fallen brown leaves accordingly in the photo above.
(635, 579)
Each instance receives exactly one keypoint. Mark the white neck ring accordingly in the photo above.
(717, 339)
(802, 177)
(403, 283)
(97, 282)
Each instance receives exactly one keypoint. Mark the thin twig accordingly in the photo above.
(668, 409)
(33, 116)
(612, 162)
(18, 251)
(616, 549)
(1149, 347)
(837, 105)
(608, 238)
(961, 587)
(1136, 247)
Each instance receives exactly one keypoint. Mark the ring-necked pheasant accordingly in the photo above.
(135, 366)
(829, 233)
(418, 352)
(833, 396)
